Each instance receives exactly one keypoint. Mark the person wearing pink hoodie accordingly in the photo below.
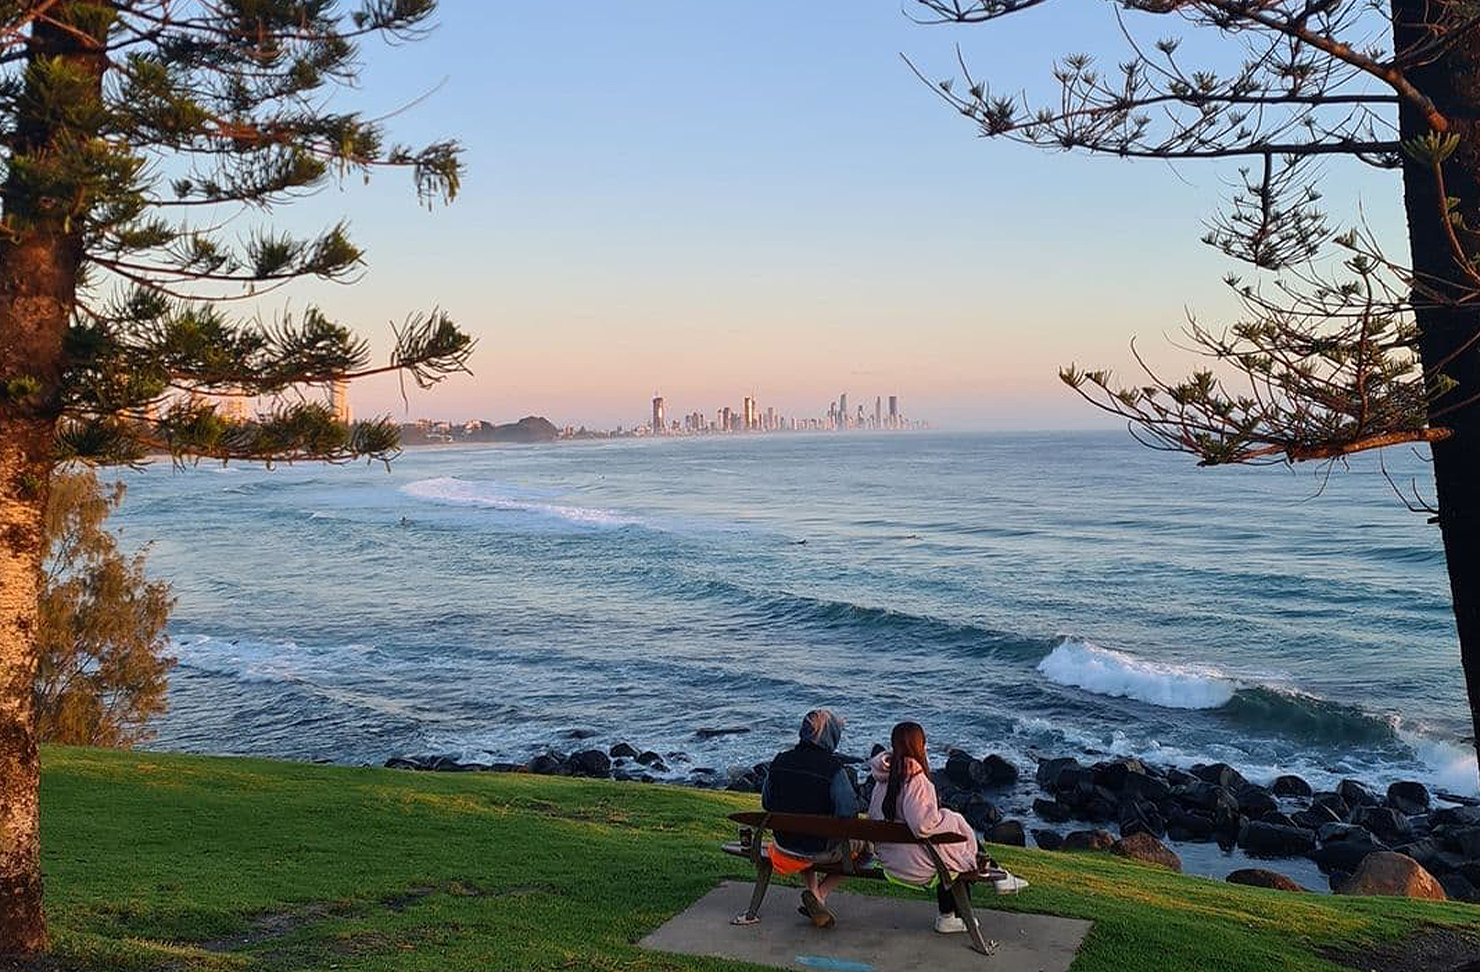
(904, 792)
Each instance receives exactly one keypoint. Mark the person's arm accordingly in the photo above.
(920, 808)
(844, 797)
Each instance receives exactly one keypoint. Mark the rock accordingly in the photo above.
(591, 762)
(1048, 840)
(1333, 802)
(998, 770)
(1315, 816)
(1282, 819)
(1176, 777)
(1447, 797)
(981, 813)
(1273, 840)
(1050, 770)
(1219, 774)
(1051, 810)
(1388, 824)
(723, 731)
(1255, 801)
(1356, 795)
(1464, 841)
(546, 764)
(1455, 817)
(1457, 887)
(1388, 873)
(1408, 797)
(1208, 797)
(1192, 823)
(678, 757)
(1140, 816)
(1346, 851)
(958, 768)
(1089, 840)
(623, 751)
(1146, 848)
(1112, 774)
(649, 758)
(1425, 851)
(1258, 877)
(1008, 832)
(1288, 786)
(1152, 788)
(402, 762)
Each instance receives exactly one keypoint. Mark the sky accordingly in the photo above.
(708, 201)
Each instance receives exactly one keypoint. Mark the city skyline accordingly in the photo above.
(750, 418)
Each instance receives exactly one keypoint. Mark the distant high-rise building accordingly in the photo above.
(339, 401)
(658, 426)
(771, 425)
(750, 415)
(726, 422)
(843, 410)
(878, 412)
(894, 411)
(233, 407)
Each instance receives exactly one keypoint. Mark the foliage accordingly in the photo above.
(154, 136)
(1325, 360)
(297, 866)
(103, 669)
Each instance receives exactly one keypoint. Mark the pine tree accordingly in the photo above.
(144, 144)
(1324, 363)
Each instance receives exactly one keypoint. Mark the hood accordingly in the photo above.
(821, 728)
(878, 767)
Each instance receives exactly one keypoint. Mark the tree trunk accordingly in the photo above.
(1448, 334)
(39, 261)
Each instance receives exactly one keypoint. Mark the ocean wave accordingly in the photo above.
(1085, 665)
(453, 491)
(1299, 716)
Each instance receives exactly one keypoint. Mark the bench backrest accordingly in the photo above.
(841, 828)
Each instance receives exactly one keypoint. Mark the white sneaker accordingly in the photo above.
(1009, 885)
(950, 924)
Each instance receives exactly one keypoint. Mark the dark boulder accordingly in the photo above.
(999, 772)
(1189, 824)
(1289, 786)
(709, 733)
(1050, 770)
(1388, 824)
(623, 751)
(1177, 777)
(1346, 851)
(1052, 810)
(1407, 796)
(1455, 817)
(1147, 849)
(1008, 832)
(1258, 877)
(1048, 840)
(1141, 817)
(1458, 887)
(981, 813)
(958, 768)
(402, 762)
(591, 762)
(1334, 803)
(1464, 841)
(1112, 774)
(1219, 774)
(1280, 818)
(1208, 797)
(1315, 816)
(579, 733)
(1425, 851)
(1255, 801)
(1089, 840)
(546, 764)
(1146, 787)
(1356, 794)
(1261, 839)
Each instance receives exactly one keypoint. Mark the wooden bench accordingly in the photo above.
(853, 828)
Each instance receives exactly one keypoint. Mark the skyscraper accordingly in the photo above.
(878, 412)
(339, 401)
(658, 425)
(894, 411)
(750, 416)
(843, 411)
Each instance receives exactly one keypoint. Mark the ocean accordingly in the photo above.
(1027, 594)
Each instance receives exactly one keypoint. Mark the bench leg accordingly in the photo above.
(961, 893)
(762, 881)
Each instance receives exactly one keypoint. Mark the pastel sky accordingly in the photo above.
(713, 200)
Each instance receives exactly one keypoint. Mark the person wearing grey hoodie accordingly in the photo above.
(812, 778)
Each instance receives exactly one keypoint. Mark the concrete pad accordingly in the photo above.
(872, 935)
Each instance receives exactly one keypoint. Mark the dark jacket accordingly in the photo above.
(809, 779)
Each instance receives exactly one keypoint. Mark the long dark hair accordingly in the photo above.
(908, 743)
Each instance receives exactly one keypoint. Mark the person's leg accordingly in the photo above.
(827, 885)
(944, 900)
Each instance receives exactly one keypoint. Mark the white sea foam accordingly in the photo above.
(468, 492)
(1085, 665)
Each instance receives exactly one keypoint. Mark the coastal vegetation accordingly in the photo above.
(1383, 350)
(104, 666)
(185, 862)
(133, 134)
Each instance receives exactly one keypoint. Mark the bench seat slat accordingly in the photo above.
(841, 828)
(870, 871)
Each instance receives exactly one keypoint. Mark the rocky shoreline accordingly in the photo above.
(1406, 840)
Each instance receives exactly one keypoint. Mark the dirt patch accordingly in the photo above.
(1429, 950)
(277, 924)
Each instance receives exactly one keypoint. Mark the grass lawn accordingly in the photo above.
(161, 862)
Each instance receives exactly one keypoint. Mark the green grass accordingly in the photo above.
(148, 857)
